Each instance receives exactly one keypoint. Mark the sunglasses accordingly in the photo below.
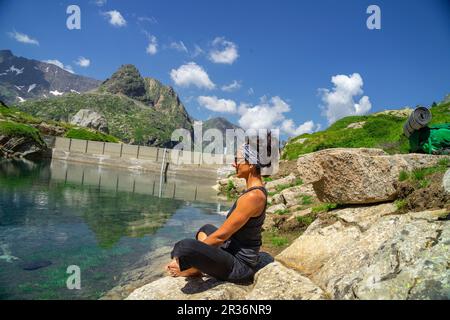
(236, 159)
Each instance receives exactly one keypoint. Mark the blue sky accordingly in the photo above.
(281, 55)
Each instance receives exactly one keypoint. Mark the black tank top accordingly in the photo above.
(246, 242)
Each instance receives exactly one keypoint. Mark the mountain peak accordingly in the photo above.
(126, 80)
(5, 54)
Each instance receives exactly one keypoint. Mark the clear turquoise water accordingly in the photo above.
(100, 219)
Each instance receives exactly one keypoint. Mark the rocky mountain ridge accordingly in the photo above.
(22, 79)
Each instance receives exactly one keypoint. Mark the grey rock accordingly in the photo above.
(446, 181)
(358, 175)
(271, 185)
(356, 125)
(90, 119)
(274, 208)
(390, 256)
(272, 281)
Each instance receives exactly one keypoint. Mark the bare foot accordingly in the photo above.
(173, 269)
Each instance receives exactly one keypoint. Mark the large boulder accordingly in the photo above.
(274, 281)
(374, 253)
(358, 175)
(90, 119)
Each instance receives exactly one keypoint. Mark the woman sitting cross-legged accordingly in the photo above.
(231, 251)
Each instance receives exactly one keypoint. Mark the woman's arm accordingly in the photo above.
(247, 206)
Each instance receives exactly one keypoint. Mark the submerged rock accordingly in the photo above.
(149, 268)
(34, 265)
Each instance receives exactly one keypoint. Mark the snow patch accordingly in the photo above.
(14, 69)
(21, 99)
(74, 91)
(31, 87)
(56, 93)
(19, 87)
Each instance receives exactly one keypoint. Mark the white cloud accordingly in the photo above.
(223, 51)
(179, 46)
(269, 114)
(197, 51)
(265, 115)
(100, 3)
(233, 86)
(289, 128)
(23, 38)
(151, 20)
(191, 74)
(152, 47)
(251, 92)
(115, 18)
(339, 101)
(60, 64)
(217, 105)
(83, 62)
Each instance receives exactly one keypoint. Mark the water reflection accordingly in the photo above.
(103, 220)
(193, 188)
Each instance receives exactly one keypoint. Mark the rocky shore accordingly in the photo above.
(346, 224)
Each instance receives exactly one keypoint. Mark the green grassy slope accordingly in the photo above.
(14, 122)
(383, 131)
(128, 119)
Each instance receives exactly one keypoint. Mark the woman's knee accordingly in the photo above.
(184, 247)
(207, 229)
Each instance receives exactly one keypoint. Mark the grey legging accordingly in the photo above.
(214, 261)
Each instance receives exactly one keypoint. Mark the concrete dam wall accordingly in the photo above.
(134, 157)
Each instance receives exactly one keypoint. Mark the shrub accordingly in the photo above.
(306, 220)
(230, 189)
(282, 187)
(403, 176)
(325, 207)
(11, 128)
(230, 185)
(305, 199)
(279, 241)
(424, 183)
(87, 134)
(400, 204)
(444, 162)
(282, 212)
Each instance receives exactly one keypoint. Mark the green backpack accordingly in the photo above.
(433, 139)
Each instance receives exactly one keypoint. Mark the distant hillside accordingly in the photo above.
(138, 110)
(23, 79)
(219, 123)
(379, 130)
(21, 134)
